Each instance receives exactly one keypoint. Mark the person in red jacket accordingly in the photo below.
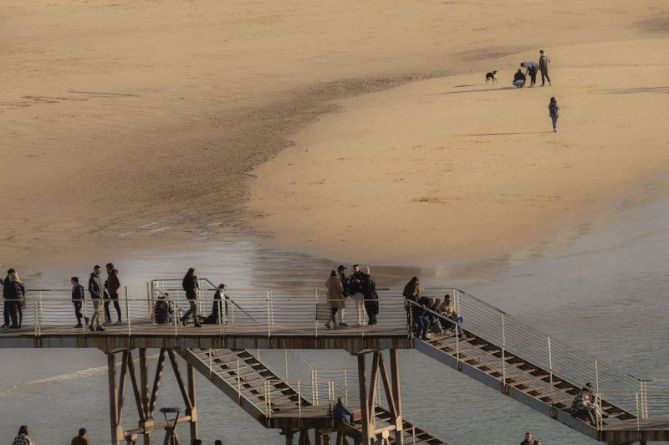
(113, 285)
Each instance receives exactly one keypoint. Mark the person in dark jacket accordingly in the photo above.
(519, 79)
(371, 297)
(543, 67)
(532, 70)
(15, 294)
(77, 300)
(528, 439)
(190, 286)
(341, 414)
(81, 438)
(112, 285)
(219, 313)
(6, 304)
(356, 286)
(162, 310)
(95, 289)
(553, 112)
(422, 316)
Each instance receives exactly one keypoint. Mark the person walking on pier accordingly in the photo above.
(553, 112)
(543, 67)
(77, 300)
(337, 301)
(81, 438)
(15, 294)
(341, 414)
(112, 284)
(356, 290)
(190, 286)
(22, 437)
(95, 289)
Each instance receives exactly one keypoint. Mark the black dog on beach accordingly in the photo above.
(492, 75)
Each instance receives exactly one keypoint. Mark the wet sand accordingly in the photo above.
(136, 123)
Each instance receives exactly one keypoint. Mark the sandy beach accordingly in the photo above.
(132, 124)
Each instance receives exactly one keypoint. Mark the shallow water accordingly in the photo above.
(608, 284)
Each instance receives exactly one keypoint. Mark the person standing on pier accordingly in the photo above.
(113, 285)
(191, 286)
(95, 289)
(356, 289)
(6, 303)
(15, 293)
(22, 437)
(81, 438)
(77, 300)
(371, 297)
(345, 285)
(336, 300)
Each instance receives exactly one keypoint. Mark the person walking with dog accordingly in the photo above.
(553, 112)
(544, 60)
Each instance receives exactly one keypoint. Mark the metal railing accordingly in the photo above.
(640, 398)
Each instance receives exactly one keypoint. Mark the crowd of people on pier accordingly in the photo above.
(360, 287)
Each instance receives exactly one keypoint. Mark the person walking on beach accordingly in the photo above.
(190, 286)
(77, 300)
(544, 60)
(337, 301)
(532, 69)
(112, 284)
(22, 437)
(553, 112)
(95, 289)
(15, 294)
(371, 297)
(356, 285)
(81, 438)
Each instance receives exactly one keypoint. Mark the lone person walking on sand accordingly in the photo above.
(544, 60)
(553, 112)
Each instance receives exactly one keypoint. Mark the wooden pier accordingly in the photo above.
(494, 349)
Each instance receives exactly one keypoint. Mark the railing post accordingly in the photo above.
(175, 316)
(239, 382)
(127, 311)
(36, 327)
(638, 426)
(38, 314)
(149, 306)
(313, 394)
(346, 386)
(413, 434)
(316, 312)
(503, 354)
(211, 368)
(269, 328)
(285, 363)
(550, 369)
(299, 399)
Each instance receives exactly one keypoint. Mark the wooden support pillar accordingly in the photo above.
(113, 399)
(192, 412)
(144, 394)
(364, 407)
(396, 395)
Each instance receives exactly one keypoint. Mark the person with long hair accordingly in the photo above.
(337, 301)
(190, 286)
(553, 112)
(22, 437)
(16, 296)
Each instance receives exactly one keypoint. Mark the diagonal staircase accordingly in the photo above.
(272, 401)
